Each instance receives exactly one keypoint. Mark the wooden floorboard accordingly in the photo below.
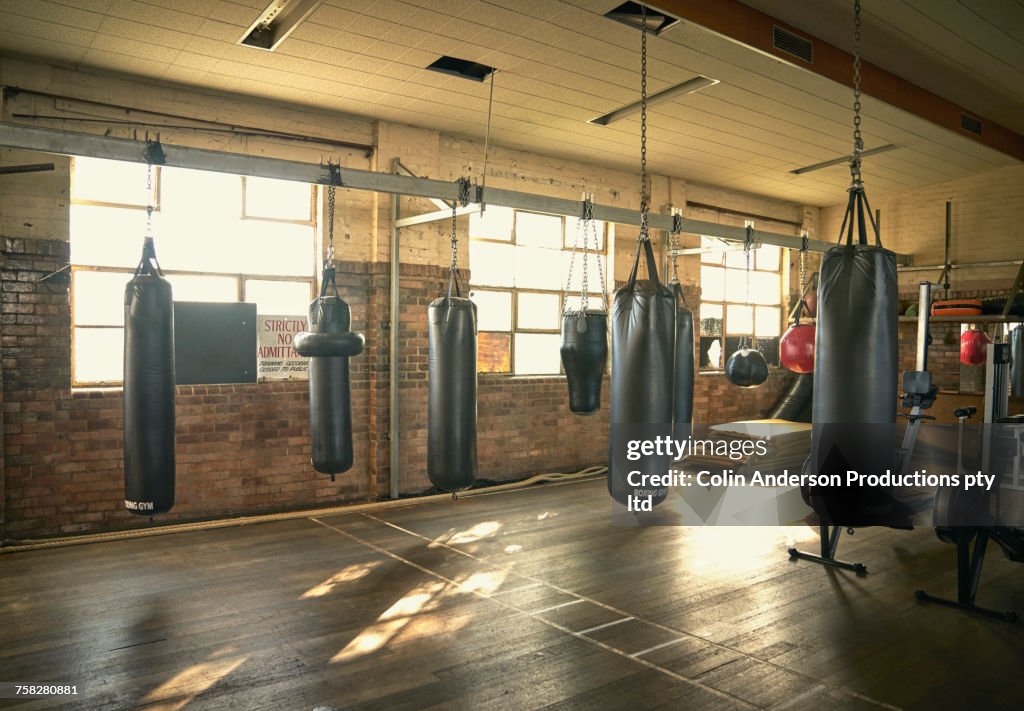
(522, 600)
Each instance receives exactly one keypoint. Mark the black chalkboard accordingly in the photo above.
(214, 343)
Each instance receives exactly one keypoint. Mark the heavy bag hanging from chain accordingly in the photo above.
(585, 331)
(328, 344)
(451, 382)
(148, 389)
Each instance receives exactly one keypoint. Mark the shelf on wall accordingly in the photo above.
(984, 318)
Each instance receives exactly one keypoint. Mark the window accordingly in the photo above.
(219, 237)
(727, 316)
(519, 262)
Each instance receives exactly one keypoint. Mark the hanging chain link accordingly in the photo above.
(330, 225)
(644, 197)
(748, 248)
(858, 141)
(463, 201)
(597, 258)
(149, 200)
(803, 263)
(673, 243)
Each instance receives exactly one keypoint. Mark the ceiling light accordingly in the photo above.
(460, 68)
(841, 159)
(631, 13)
(687, 87)
(278, 21)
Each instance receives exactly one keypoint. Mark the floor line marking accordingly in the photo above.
(558, 607)
(606, 625)
(656, 647)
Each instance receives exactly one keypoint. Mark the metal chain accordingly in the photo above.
(803, 263)
(462, 200)
(330, 225)
(858, 141)
(748, 246)
(572, 258)
(588, 217)
(149, 200)
(673, 244)
(597, 257)
(644, 197)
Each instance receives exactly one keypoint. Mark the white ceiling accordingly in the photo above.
(560, 63)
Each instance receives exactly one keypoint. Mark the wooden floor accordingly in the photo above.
(518, 600)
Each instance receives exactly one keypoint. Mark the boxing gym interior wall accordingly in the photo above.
(409, 490)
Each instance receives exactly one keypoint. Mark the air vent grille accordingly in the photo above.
(969, 123)
(787, 42)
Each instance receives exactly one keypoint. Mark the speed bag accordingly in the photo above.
(148, 395)
(974, 347)
(1017, 361)
(330, 391)
(642, 392)
(746, 368)
(855, 390)
(796, 348)
(451, 394)
(584, 356)
(683, 374)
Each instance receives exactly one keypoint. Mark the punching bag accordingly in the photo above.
(148, 389)
(746, 368)
(584, 356)
(974, 347)
(795, 404)
(451, 390)
(643, 361)
(682, 408)
(855, 369)
(328, 344)
(1017, 361)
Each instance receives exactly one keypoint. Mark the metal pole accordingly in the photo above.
(393, 349)
(923, 313)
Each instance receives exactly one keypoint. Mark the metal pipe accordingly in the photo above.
(923, 309)
(973, 265)
(947, 268)
(84, 144)
(29, 168)
(394, 317)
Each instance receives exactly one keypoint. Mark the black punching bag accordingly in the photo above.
(855, 370)
(451, 391)
(330, 388)
(682, 410)
(1017, 361)
(148, 389)
(643, 361)
(584, 356)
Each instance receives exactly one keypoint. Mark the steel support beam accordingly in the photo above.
(84, 144)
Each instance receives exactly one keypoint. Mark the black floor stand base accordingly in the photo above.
(829, 543)
(968, 573)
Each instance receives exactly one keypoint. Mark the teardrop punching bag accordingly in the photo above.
(974, 347)
(855, 370)
(682, 407)
(643, 362)
(584, 356)
(328, 344)
(451, 390)
(148, 389)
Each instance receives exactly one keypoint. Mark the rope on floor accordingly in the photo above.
(551, 478)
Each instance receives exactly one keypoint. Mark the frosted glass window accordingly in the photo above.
(540, 311)
(538, 353)
(111, 181)
(769, 257)
(278, 199)
(98, 297)
(495, 223)
(278, 298)
(207, 245)
(539, 230)
(735, 258)
(538, 268)
(736, 285)
(493, 310)
(739, 320)
(201, 194)
(571, 224)
(99, 355)
(765, 288)
(276, 248)
(109, 236)
(492, 264)
(716, 256)
(768, 322)
(712, 283)
(191, 287)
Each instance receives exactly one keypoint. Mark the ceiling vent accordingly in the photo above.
(460, 68)
(969, 123)
(631, 13)
(786, 41)
(276, 22)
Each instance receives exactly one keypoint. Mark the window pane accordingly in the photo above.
(492, 264)
(712, 283)
(595, 266)
(765, 288)
(200, 194)
(494, 223)
(281, 298)
(493, 311)
(279, 199)
(98, 297)
(539, 230)
(711, 352)
(538, 353)
(715, 257)
(114, 181)
(109, 236)
(276, 249)
(99, 355)
(768, 257)
(735, 257)
(538, 268)
(768, 322)
(492, 352)
(769, 348)
(739, 320)
(736, 285)
(710, 319)
(571, 224)
(538, 311)
(190, 242)
(188, 287)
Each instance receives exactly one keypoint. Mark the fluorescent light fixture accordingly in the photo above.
(463, 68)
(842, 159)
(687, 87)
(278, 21)
(631, 13)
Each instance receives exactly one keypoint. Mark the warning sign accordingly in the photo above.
(276, 358)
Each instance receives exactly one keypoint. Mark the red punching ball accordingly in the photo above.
(796, 348)
(973, 347)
